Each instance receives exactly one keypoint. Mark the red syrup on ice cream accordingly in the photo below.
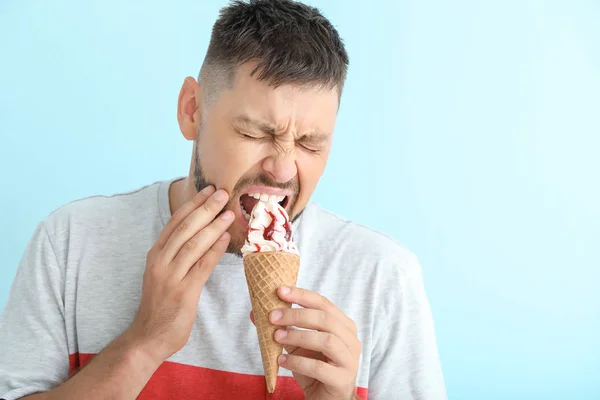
(287, 226)
(270, 230)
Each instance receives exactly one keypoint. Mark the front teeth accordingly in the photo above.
(266, 198)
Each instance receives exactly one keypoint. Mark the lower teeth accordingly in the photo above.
(244, 213)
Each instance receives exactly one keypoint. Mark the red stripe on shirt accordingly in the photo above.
(180, 381)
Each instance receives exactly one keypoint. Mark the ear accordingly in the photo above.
(189, 108)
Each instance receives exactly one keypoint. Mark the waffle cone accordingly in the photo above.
(265, 272)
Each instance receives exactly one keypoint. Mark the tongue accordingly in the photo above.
(248, 203)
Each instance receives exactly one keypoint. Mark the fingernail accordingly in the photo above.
(285, 290)
(281, 334)
(276, 315)
(206, 190)
(282, 358)
(219, 195)
(227, 216)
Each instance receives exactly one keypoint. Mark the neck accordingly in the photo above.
(180, 192)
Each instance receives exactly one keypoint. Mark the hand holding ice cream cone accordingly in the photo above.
(324, 354)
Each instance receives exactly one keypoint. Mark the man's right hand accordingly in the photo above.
(177, 267)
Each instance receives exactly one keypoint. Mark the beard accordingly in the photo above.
(238, 238)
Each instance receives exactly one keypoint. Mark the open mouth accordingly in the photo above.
(249, 200)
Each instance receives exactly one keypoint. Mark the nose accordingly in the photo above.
(281, 166)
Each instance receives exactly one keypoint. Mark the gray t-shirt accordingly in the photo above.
(78, 286)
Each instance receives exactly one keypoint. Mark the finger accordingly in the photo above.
(194, 222)
(199, 244)
(309, 299)
(179, 215)
(317, 369)
(200, 272)
(328, 344)
(288, 348)
(312, 319)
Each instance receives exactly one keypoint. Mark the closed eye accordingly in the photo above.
(313, 143)
(310, 149)
(249, 136)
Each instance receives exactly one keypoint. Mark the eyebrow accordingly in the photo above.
(266, 127)
(314, 136)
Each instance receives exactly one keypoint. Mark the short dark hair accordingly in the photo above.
(290, 41)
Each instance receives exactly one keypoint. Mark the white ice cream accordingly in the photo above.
(269, 229)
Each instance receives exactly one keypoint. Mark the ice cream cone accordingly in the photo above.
(265, 272)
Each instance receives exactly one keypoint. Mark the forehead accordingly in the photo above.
(305, 107)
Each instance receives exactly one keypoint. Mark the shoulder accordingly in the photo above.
(374, 267)
(355, 241)
(102, 213)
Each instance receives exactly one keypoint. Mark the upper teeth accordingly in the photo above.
(266, 198)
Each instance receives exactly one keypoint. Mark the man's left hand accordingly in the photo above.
(325, 358)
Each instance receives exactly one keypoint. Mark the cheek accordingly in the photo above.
(310, 170)
(226, 161)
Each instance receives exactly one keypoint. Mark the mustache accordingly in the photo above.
(264, 180)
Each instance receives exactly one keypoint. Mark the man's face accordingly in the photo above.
(256, 139)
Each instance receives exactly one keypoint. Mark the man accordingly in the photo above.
(143, 294)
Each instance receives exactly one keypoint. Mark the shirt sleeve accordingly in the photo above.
(405, 363)
(33, 345)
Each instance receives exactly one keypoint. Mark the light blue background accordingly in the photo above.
(475, 125)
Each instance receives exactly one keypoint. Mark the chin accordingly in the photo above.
(234, 251)
(237, 241)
